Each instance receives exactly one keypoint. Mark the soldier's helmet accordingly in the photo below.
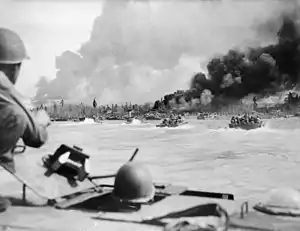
(134, 184)
(12, 48)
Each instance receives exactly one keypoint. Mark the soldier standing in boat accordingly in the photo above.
(15, 120)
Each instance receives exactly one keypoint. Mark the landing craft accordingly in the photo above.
(245, 122)
(246, 126)
(133, 198)
(69, 165)
(172, 121)
(163, 125)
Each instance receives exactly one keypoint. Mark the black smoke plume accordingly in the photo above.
(261, 70)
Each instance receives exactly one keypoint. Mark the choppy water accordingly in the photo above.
(202, 154)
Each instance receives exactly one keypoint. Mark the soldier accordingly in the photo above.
(15, 120)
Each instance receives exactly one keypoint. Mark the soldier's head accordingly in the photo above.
(12, 54)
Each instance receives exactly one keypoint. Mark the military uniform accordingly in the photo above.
(16, 122)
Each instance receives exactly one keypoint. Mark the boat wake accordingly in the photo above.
(88, 121)
(181, 127)
(233, 130)
(134, 122)
(65, 124)
(85, 122)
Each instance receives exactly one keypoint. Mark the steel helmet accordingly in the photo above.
(12, 48)
(284, 198)
(133, 184)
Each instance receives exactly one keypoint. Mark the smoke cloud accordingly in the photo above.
(262, 70)
(140, 50)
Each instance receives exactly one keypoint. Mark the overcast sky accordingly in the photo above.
(48, 28)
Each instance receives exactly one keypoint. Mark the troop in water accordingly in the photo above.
(245, 119)
(173, 120)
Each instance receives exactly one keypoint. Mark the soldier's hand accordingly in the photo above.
(42, 118)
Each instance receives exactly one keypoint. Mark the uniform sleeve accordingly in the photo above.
(35, 135)
(12, 127)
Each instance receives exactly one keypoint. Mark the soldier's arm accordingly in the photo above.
(35, 135)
